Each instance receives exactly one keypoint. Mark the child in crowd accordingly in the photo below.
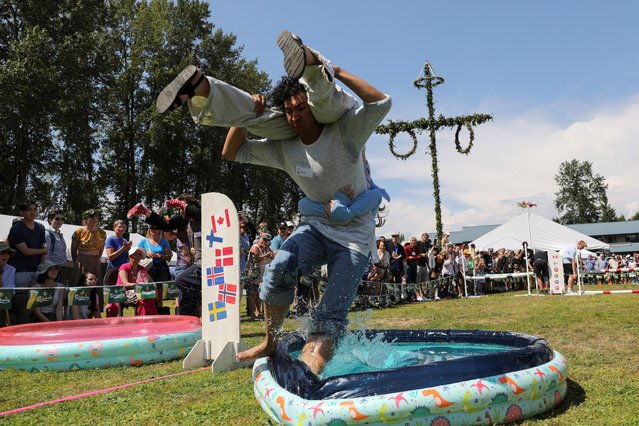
(47, 275)
(91, 310)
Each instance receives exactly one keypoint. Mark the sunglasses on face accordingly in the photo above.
(7, 252)
(58, 218)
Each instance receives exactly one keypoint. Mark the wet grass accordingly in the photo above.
(597, 334)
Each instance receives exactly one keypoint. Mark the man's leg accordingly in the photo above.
(189, 284)
(302, 251)
(329, 320)
(216, 103)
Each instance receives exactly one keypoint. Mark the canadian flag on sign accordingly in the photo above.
(221, 220)
(224, 256)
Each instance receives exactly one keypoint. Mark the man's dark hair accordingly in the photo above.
(286, 88)
(25, 206)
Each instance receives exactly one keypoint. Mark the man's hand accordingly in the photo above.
(260, 104)
(348, 191)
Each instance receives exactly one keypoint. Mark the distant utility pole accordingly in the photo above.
(428, 80)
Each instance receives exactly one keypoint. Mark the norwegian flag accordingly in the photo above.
(224, 256)
(222, 220)
(215, 276)
(227, 293)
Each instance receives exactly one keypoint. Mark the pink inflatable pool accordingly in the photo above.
(97, 343)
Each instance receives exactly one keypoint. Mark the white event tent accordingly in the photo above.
(539, 232)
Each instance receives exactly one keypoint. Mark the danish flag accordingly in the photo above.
(224, 256)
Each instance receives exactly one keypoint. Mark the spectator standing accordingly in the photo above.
(189, 282)
(397, 256)
(412, 259)
(158, 249)
(27, 238)
(282, 235)
(87, 245)
(56, 246)
(117, 247)
(540, 265)
(569, 255)
(259, 256)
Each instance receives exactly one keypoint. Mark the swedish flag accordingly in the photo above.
(217, 311)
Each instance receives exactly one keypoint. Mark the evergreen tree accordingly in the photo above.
(582, 194)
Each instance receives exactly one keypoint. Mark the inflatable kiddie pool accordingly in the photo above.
(518, 376)
(97, 343)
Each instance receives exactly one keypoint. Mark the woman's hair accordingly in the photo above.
(52, 214)
(83, 278)
(149, 233)
(286, 88)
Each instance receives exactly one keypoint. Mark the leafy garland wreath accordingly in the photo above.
(391, 142)
(466, 150)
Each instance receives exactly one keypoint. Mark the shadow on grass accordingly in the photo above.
(575, 396)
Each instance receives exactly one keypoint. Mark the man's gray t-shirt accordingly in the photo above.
(322, 168)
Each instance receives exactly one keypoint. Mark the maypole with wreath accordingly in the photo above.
(428, 80)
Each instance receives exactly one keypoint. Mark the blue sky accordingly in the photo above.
(560, 79)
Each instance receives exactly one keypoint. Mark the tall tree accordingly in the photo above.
(581, 197)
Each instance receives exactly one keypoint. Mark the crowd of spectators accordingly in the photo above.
(419, 261)
(33, 256)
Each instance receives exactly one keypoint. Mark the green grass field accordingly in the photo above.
(598, 335)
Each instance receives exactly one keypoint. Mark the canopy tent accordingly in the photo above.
(539, 232)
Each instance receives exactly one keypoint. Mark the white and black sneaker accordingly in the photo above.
(294, 53)
(169, 97)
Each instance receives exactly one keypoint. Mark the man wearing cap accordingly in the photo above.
(282, 235)
(28, 240)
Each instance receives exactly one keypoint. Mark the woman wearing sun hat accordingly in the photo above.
(47, 276)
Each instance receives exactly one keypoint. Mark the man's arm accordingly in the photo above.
(235, 138)
(366, 91)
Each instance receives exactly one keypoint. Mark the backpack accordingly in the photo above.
(52, 237)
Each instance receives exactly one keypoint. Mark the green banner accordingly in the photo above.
(170, 291)
(114, 294)
(6, 294)
(79, 296)
(40, 297)
(145, 291)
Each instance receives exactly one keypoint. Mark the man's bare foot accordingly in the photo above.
(263, 349)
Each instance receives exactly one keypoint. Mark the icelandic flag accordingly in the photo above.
(215, 276)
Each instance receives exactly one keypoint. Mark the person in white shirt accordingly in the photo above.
(569, 254)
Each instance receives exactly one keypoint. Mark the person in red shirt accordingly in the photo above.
(412, 260)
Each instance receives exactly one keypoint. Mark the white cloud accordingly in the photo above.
(515, 158)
